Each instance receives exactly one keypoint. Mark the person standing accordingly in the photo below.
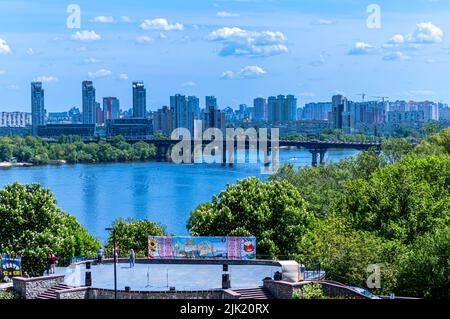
(100, 255)
(132, 258)
(53, 261)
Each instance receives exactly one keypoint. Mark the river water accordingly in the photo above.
(96, 194)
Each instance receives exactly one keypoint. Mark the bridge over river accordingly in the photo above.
(317, 149)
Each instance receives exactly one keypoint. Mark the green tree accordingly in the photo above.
(401, 201)
(6, 151)
(443, 139)
(133, 234)
(32, 226)
(273, 212)
(425, 270)
(310, 291)
(395, 149)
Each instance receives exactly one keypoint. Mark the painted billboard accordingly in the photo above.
(11, 266)
(169, 247)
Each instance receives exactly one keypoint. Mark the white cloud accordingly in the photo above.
(248, 72)
(323, 22)
(241, 42)
(362, 48)
(160, 24)
(91, 61)
(397, 39)
(226, 14)
(2, 72)
(81, 49)
(100, 73)
(125, 19)
(123, 76)
(144, 40)
(4, 47)
(104, 19)
(430, 61)
(426, 32)
(86, 35)
(190, 84)
(30, 51)
(162, 36)
(395, 56)
(46, 79)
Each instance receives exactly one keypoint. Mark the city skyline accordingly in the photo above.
(234, 50)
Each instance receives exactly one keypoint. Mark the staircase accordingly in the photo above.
(51, 292)
(254, 293)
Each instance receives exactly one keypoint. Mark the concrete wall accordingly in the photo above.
(279, 289)
(75, 293)
(95, 293)
(30, 288)
(285, 290)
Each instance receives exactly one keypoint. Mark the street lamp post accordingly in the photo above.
(115, 260)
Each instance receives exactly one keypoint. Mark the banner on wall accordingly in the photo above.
(11, 266)
(169, 247)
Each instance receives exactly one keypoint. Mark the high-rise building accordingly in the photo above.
(210, 103)
(99, 114)
(444, 112)
(163, 120)
(290, 114)
(88, 101)
(194, 105)
(260, 109)
(37, 106)
(183, 114)
(15, 119)
(282, 109)
(214, 118)
(111, 108)
(139, 100)
(316, 111)
(338, 108)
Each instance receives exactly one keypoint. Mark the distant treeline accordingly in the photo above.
(73, 150)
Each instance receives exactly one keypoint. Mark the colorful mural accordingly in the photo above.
(201, 247)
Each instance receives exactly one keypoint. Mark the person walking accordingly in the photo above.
(132, 258)
(53, 261)
(100, 255)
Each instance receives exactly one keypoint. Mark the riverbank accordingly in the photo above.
(26, 164)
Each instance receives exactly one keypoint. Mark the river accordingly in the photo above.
(96, 194)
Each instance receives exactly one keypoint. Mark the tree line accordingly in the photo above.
(73, 150)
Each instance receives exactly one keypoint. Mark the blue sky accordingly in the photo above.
(235, 50)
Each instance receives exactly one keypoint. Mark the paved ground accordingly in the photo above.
(157, 277)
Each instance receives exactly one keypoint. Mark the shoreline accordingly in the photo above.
(26, 164)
